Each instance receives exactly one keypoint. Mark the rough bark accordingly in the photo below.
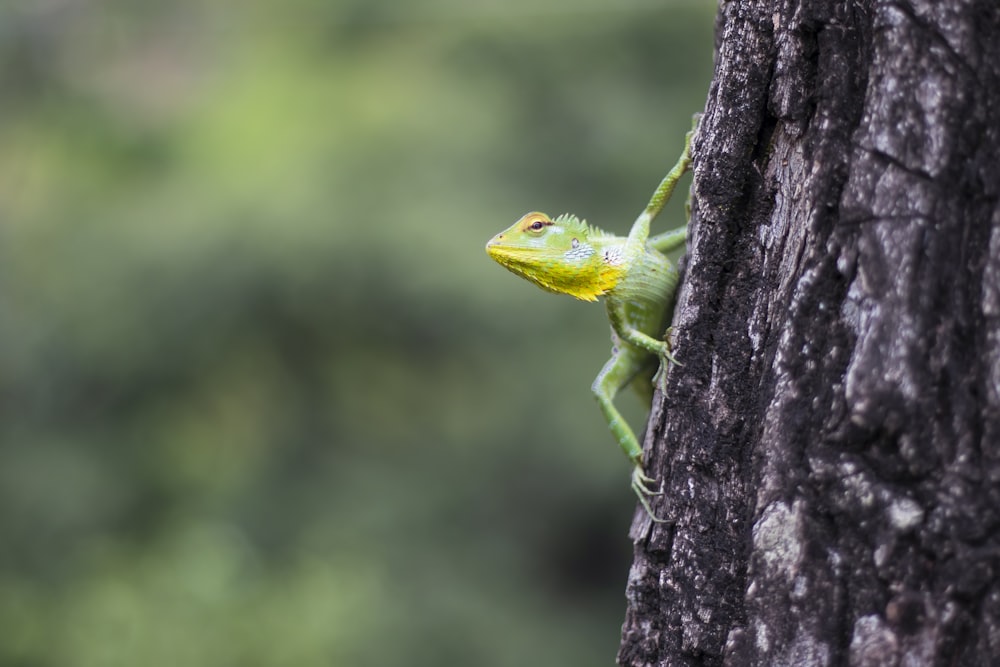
(831, 445)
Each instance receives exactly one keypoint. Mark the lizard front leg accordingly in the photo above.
(640, 228)
(669, 241)
(619, 370)
(628, 333)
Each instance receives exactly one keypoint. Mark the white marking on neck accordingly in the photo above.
(614, 256)
(580, 252)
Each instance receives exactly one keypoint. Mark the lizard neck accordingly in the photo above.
(602, 269)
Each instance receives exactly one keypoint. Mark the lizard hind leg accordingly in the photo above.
(621, 369)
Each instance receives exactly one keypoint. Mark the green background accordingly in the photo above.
(265, 399)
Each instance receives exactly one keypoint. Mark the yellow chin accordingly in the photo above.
(554, 275)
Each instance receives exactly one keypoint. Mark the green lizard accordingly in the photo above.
(637, 281)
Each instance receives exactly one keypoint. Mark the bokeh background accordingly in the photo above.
(264, 400)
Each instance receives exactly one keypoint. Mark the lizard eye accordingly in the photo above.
(537, 225)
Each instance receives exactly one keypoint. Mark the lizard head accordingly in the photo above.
(557, 255)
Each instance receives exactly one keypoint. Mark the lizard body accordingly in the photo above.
(565, 255)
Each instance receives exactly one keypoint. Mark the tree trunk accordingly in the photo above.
(830, 448)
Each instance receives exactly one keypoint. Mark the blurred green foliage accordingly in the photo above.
(265, 400)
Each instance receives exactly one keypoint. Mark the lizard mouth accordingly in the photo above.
(497, 248)
(498, 251)
(509, 255)
(515, 259)
(495, 241)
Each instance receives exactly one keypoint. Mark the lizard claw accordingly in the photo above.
(668, 346)
(660, 378)
(640, 484)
